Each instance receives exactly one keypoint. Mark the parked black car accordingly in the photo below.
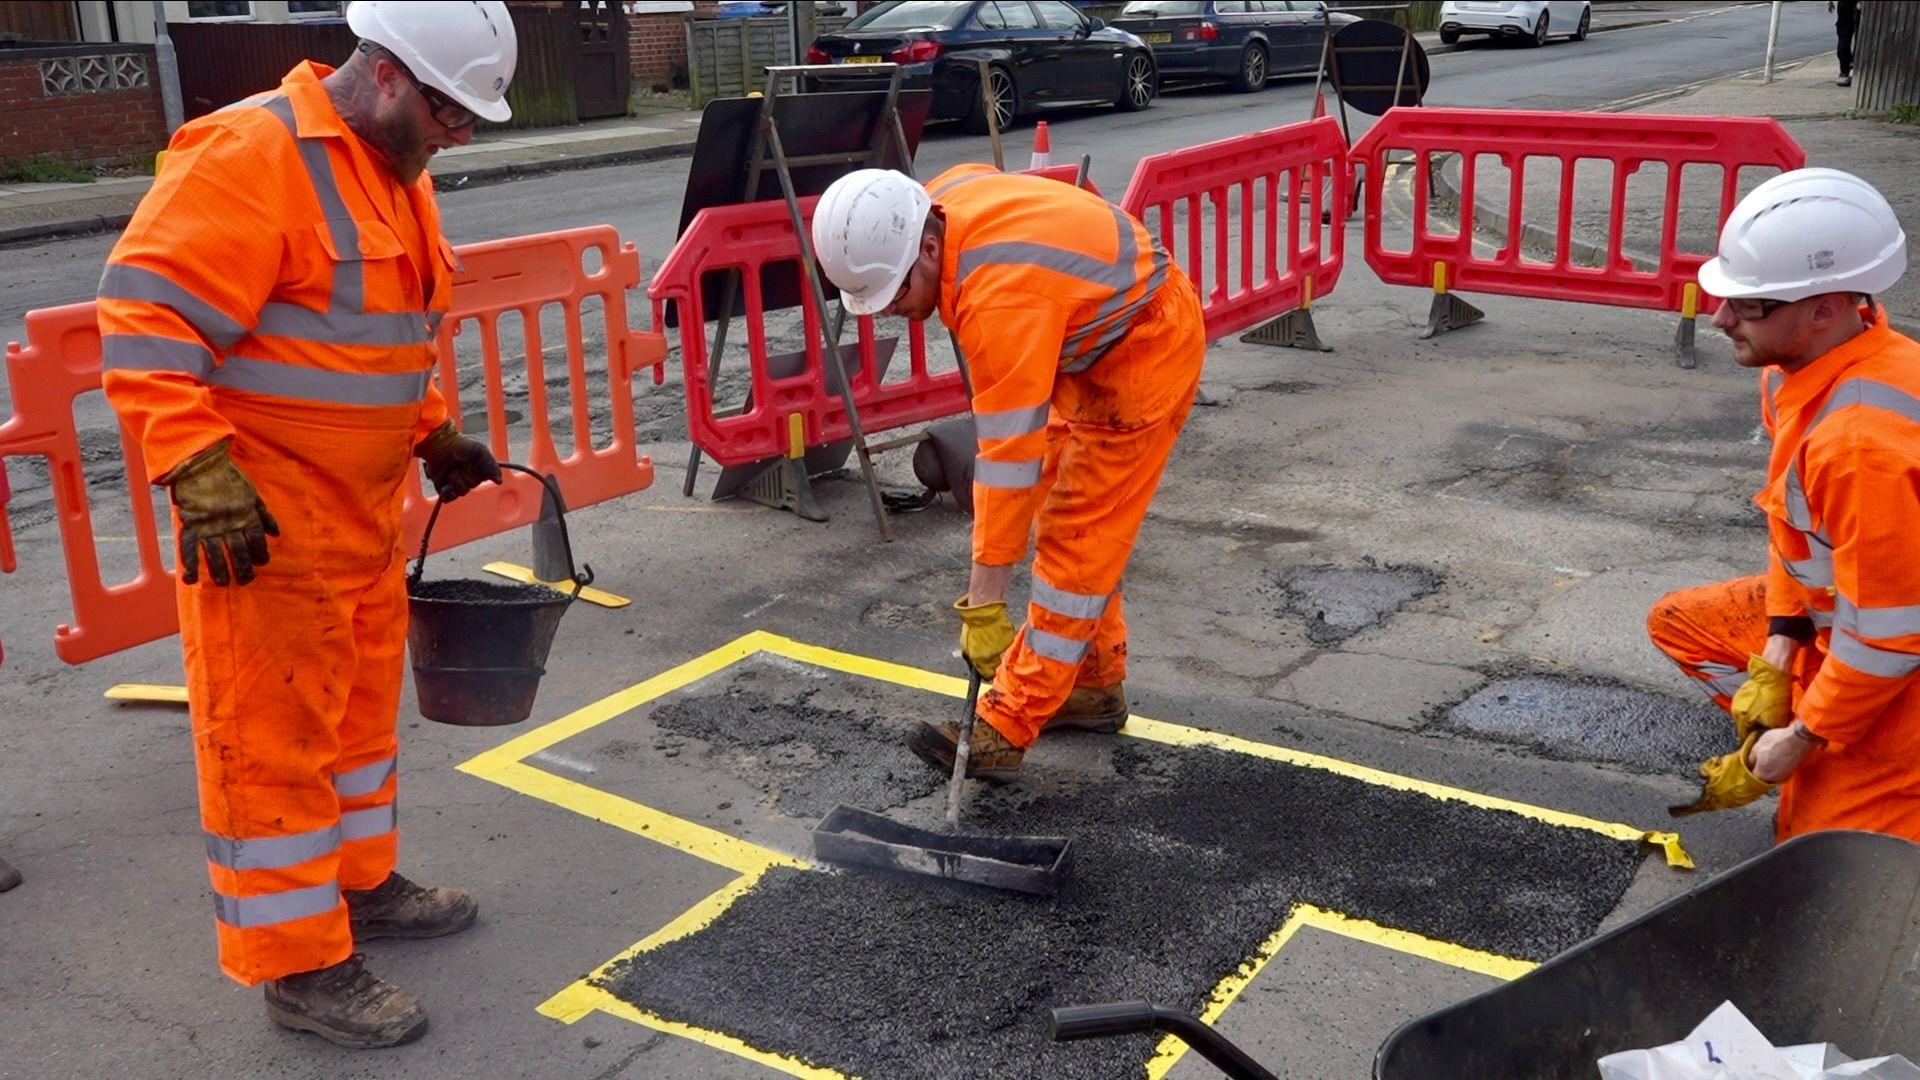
(1043, 53)
(1243, 43)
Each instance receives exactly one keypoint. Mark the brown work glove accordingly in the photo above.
(455, 463)
(1729, 782)
(221, 515)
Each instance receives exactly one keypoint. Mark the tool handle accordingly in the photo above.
(962, 749)
(581, 574)
(1077, 1022)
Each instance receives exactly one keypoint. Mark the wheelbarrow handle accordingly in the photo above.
(1139, 1017)
(582, 574)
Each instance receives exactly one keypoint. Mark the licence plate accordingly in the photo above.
(1162, 38)
(862, 60)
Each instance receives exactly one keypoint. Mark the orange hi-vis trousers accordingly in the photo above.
(1710, 631)
(1098, 480)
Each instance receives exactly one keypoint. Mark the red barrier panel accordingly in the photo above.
(1246, 269)
(750, 238)
(1065, 174)
(1625, 141)
(61, 362)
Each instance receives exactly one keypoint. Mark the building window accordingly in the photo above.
(219, 9)
(315, 9)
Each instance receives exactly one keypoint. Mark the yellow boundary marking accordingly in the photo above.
(505, 765)
(1172, 1049)
(156, 693)
(526, 577)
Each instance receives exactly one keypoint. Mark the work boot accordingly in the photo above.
(1846, 80)
(9, 877)
(397, 908)
(346, 1005)
(989, 756)
(1092, 708)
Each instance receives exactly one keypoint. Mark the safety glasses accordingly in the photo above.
(447, 113)
(1753, 309)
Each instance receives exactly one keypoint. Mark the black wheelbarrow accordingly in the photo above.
(480, 647)
(1818, 940)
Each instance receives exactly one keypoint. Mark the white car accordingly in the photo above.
(1519, 20)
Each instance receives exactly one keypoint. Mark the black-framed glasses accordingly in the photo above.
(447, 112)
(1753, 309)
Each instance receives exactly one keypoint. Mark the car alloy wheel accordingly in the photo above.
(1540, 30)
(1001, 84)
(1139, 82)
(1253, 69)
(1586, 24)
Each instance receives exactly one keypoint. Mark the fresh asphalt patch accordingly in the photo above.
(1185, 860)
(1594, 719)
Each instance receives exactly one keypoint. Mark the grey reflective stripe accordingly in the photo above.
(1869, 392)
(1006, 474)
(1857, 654)
(1026, 253)
(349, 290)
(271, 852)
(1875, 622)
(123, 282)
(315, 384)
(362, 824)
(1775, 380)
(148, 352)
(270, 908)
(1125, 251)
(1821, 619)
(1815, 573)
(343, 327)
(1124, 322)
(257, 99)
(433, 321)
(364, 780)
(957, 181)
(1721, 678)
(1117, 307)
(1798, 513)
(1070, 604)
(1009, 423)
(1054, 647)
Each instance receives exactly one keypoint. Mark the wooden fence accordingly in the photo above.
(729, 57)
(221, 63)
(1886, 62)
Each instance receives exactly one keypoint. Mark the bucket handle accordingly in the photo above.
(582, 573)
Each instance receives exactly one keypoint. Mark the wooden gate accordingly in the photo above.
(1886, 65)
(602, 78)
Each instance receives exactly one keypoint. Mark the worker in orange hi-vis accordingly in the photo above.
(1816, 659)
(1084, 344)
(267, 331)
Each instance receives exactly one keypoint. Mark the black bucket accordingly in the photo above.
(480, 647)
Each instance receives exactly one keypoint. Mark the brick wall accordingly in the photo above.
(657, 47)
(103, 109)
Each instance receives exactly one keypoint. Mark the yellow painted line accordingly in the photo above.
(526, 577)
(1172, 1049)
(150, 692)
(506, 765)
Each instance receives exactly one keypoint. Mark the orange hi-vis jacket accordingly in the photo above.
(1843, 510)
(1028, 311)
(1084, 343)
(280, 289)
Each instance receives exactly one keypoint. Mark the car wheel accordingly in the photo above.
(1586, 23)
(1539, 37)
(1141, 84)
(1006, 102)
(1449, 37)
(1253, 69)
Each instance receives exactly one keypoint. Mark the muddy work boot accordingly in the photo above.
(989, 757)
(397, 908)
(1092, 708)
(346, 1005)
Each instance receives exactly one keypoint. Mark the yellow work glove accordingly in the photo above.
(221, 516)
(1764, 701)
(1729, 782)
(985, 633)
(455, 463)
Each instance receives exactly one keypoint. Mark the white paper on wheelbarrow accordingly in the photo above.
(1726, 1046)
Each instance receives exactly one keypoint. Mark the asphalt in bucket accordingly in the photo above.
(1590, 719)
(1185, 860)
(1340, 601)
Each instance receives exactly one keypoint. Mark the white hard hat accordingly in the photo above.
(1807, 232)
(866, 234)
(464, 50)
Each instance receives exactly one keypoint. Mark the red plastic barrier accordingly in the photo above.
(1627, 141)
(749, 238)
(61, 362)
(1246, 268)
(1065, 174)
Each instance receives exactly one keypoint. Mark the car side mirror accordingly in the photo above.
(1095, 24)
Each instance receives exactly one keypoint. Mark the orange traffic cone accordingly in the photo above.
(1042, 149)
(1319, 105)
